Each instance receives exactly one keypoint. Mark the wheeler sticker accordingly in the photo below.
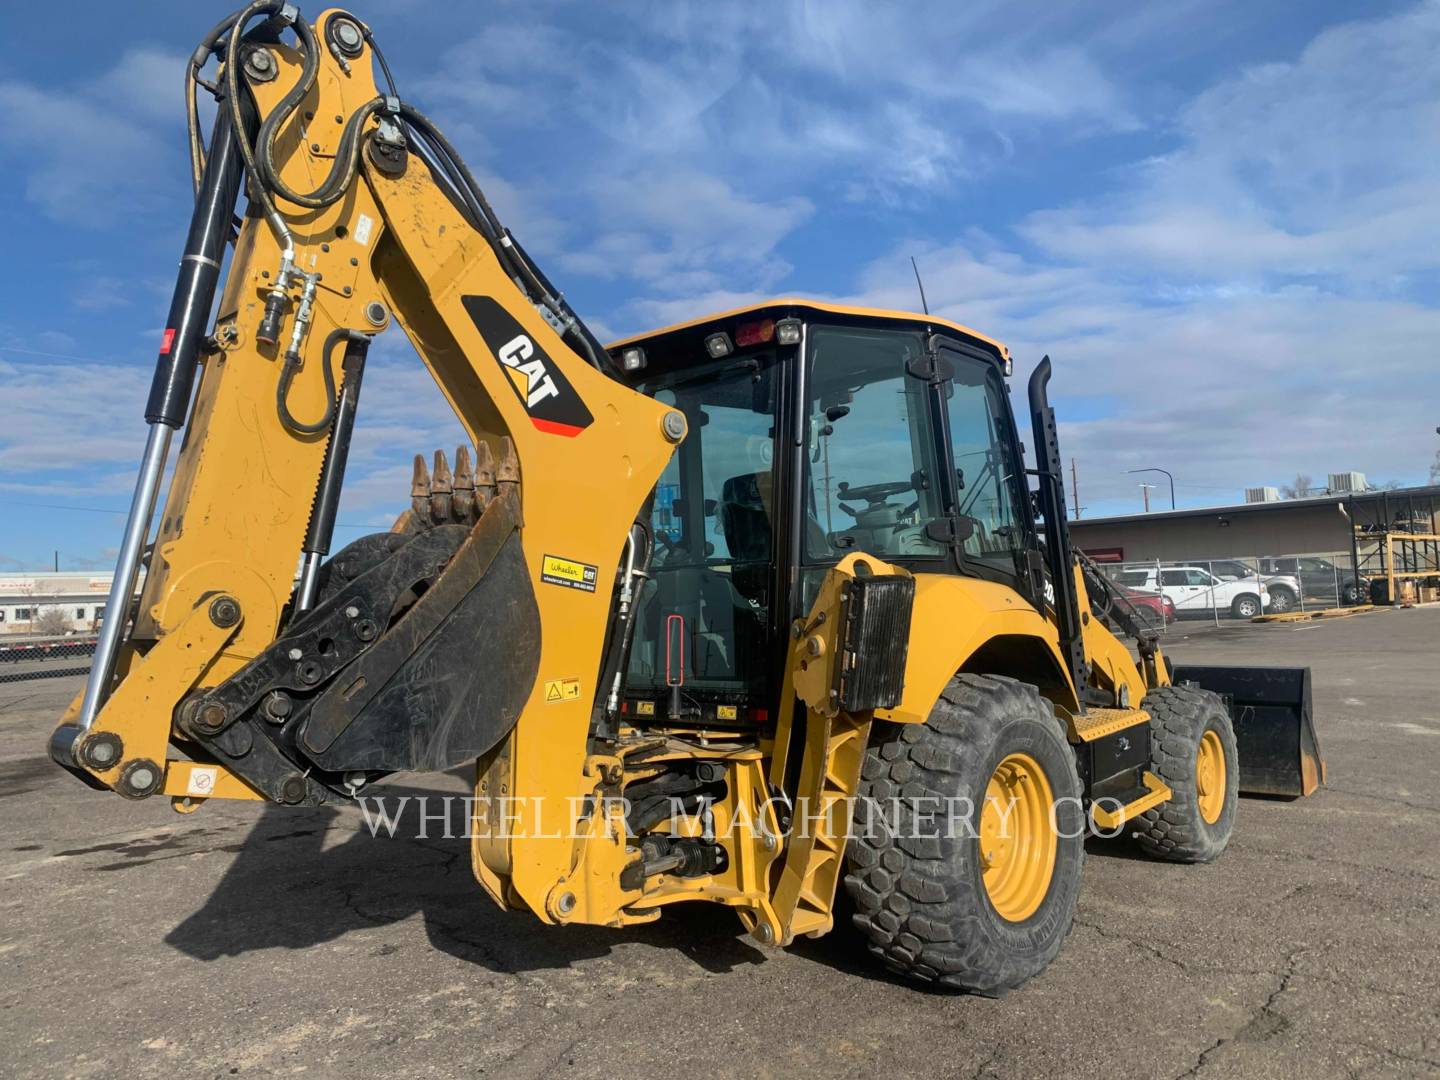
(541, 387)
(558, 690)
(568, 573)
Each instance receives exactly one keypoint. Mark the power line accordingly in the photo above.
(106, 510)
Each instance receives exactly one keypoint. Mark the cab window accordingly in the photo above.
(872, 478)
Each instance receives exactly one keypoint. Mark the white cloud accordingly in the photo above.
(1327, 165)
(92, 150)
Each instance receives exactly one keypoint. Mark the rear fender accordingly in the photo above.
(960, 624)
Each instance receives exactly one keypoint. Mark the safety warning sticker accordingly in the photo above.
(558, 690)
(201, 782)
(568, 573)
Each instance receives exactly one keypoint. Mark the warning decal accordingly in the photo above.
(558, 690)
(645, 708)
(568, 573)
(726, 712)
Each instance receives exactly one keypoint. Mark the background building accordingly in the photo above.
(1322, 524)
(50, 602)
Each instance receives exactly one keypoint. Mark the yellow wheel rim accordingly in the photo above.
(1017, 838)
(1210, 776)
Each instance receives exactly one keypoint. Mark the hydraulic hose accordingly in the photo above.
(287, 375)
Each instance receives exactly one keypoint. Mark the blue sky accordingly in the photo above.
(1222, 220)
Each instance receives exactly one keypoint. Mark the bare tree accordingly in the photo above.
(1297, 488)
(52, 621)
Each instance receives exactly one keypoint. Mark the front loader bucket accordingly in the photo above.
(1274, 729)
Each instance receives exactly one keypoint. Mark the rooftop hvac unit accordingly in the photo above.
(1262, 494)
(1348, 481)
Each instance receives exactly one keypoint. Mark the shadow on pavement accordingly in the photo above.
(306, 877)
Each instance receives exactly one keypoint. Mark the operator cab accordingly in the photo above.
(815, 431)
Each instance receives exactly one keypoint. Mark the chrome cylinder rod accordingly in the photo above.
(127, 567)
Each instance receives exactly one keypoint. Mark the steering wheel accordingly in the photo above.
(872, 494)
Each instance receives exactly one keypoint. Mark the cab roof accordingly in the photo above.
(788, 305)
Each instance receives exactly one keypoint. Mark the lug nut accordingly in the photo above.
(224, 611)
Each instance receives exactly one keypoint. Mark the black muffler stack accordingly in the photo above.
(1274, 726)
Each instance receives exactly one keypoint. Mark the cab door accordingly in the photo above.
(987, 495)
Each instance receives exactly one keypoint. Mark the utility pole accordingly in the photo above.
(57, 562)
(1145, 493)
(1075, 488)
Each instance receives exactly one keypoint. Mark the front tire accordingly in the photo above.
(1192, 748)
(965, 904)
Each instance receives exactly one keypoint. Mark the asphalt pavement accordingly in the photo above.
(245, 940)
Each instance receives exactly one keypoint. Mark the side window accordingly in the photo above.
(1174, 577)
(1199, 577)
(1132, 578)
(1315, 566)
(986, 475)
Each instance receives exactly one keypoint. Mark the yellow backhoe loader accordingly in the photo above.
(746, 610)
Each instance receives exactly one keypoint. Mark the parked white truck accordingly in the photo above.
(1194, 589)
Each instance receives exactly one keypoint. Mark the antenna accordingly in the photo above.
(923, 305)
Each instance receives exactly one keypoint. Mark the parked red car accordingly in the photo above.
(1160, 609)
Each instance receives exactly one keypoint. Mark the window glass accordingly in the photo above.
(1200, 577)
(712, 520)
(1315, 566)
(871, 478)
(1174, 577)
(1132, 578)
(986, 477)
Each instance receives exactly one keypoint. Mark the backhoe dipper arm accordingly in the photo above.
(421, 648)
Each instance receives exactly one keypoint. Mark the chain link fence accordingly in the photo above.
(1238, 586)
(23, 657)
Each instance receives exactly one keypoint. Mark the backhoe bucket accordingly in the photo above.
(1274, 729)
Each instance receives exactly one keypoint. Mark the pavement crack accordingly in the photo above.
(1264, 1022)
(1138, 943)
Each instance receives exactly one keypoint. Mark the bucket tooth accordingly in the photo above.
(463, 497)
(440, 489)
(420, 490)
(508, 471)
(484, 476)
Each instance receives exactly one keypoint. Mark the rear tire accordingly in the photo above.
(1192, 748)
(1246, 606)
(1281, 601)
(922, 894)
